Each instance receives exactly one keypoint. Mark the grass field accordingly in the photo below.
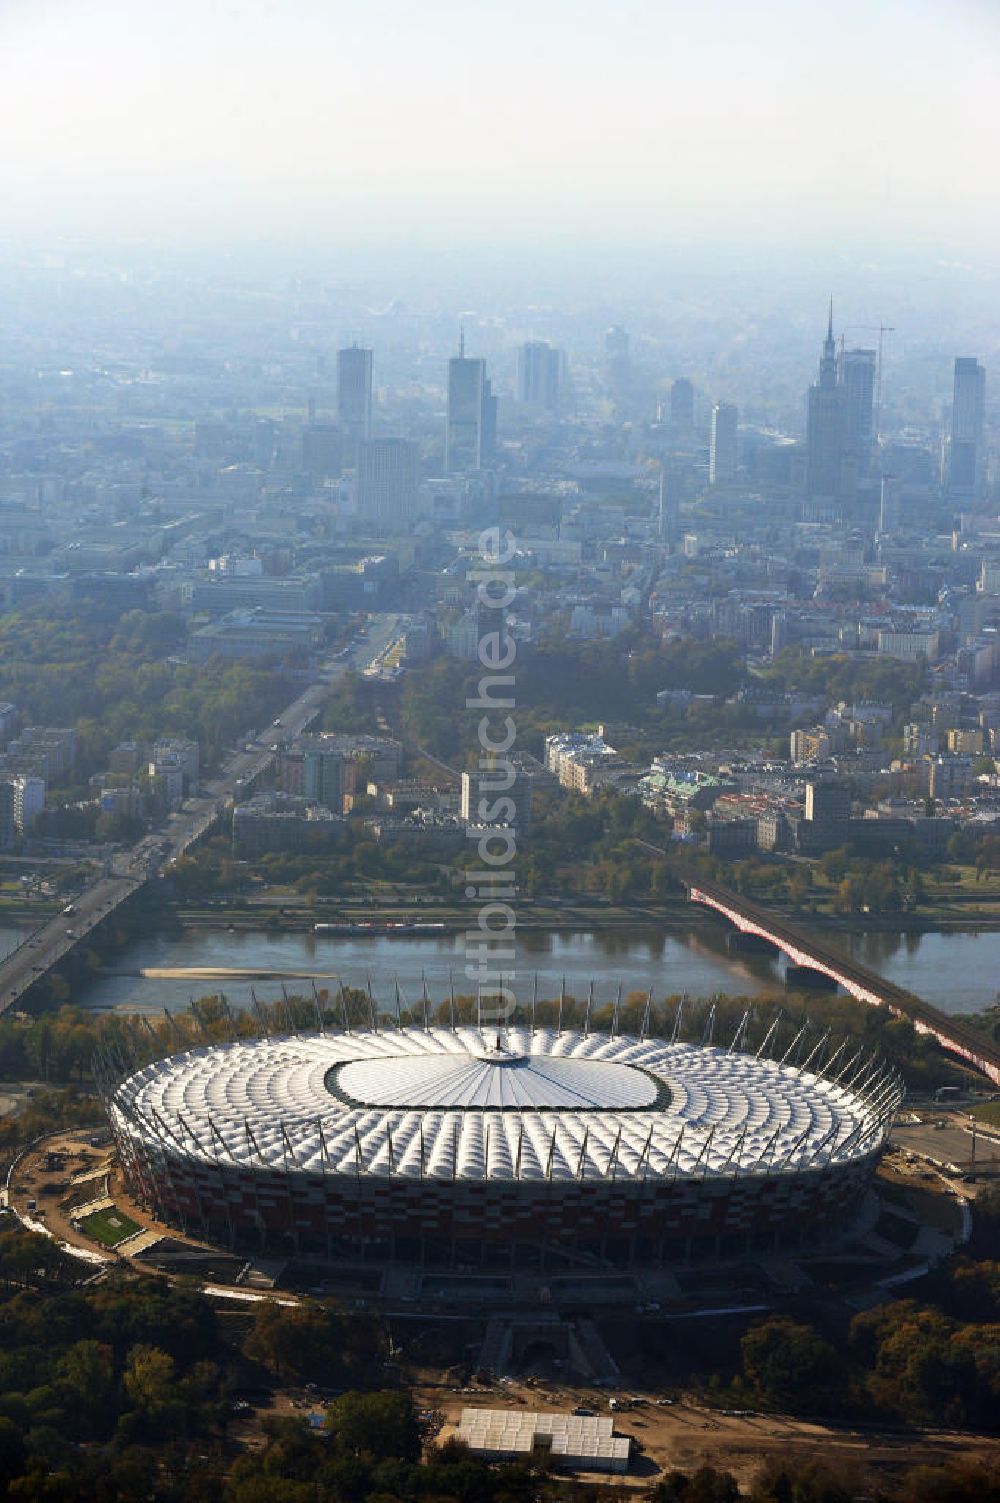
(989, 1113)
(109, 1227)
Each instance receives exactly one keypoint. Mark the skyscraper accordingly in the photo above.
(722, 456)
(387, 485)
(857, 373)
(965, 461)
(538, 367)
(470, 433)
(669, 511)
(828, 476)
(354, 401)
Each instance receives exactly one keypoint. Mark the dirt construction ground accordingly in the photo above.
(686, 1435)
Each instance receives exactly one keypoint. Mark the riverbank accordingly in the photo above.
(381, 916)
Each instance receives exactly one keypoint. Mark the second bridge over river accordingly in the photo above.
(803, 948)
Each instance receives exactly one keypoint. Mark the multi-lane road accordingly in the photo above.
(131, 868)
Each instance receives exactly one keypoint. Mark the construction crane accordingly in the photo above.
(881, 330)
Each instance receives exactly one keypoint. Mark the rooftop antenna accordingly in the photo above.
(451, 987)
(617, 1011)
(399, 1019)
(562, 999)
(534, 1001)
(590, 1003)
(423, 988)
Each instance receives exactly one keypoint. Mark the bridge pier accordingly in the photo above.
(806, 978)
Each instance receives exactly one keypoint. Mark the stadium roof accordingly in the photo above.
(450, 1104)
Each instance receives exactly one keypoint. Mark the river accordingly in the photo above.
(199, 961)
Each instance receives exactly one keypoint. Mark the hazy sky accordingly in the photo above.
(540, 120)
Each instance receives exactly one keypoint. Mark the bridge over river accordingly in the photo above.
(805, 949)
(132, 869)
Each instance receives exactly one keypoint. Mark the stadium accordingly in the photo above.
(525, 1148)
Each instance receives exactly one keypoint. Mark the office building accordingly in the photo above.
(538, 372)
(258, 634)
(828, 803)
(8, 830)
(354, 401)
(178, 752)
(277, 822)
(965, 464)
(387, 485)
(323, 779)
(41, 751)
(857, 374)
(321, 450)
(29, 801)
(722, 458)
(483, 791)
(669, 509)
(470, 434)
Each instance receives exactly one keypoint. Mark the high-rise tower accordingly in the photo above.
(387, 485)
(470, 434)
(829, 476)
(857, 373)
(965, 461)
(669, 511)
(538, 370)
(722, 454)
(354, 401)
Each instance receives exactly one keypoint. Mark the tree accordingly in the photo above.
(790, 1364)
(809, 1482)
(303, 1342)
(88, 1372)
(374, 1424)
(150, 1377)
(706, 1485)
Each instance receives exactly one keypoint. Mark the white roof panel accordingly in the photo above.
(461, 1104)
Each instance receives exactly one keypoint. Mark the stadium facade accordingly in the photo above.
(533, 1148)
